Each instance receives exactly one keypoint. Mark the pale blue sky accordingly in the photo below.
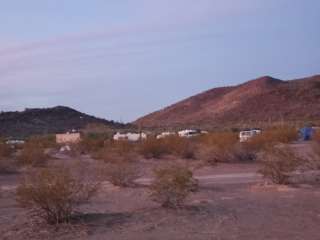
(122, 59)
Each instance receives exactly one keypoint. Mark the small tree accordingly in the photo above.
(172, 185)
(53, 194)
(277, 164)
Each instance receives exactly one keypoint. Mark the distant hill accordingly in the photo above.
(258, 101)
(47, 121)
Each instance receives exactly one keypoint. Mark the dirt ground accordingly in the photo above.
(221, 209)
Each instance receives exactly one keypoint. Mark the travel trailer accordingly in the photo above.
(189, 133)
(244, 136)
(129, 136)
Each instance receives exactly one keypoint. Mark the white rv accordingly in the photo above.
(129, 136)
(165, 134)
(189, 133)
(244, 136)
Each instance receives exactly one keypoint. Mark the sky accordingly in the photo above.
(123, 59)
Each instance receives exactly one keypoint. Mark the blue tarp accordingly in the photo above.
(306, 133)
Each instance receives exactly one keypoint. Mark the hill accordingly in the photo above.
(259, 101)
(35, 121)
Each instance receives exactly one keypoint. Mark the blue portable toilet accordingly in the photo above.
(306, 133)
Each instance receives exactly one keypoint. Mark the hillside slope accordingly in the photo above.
(46, 120)
(264, 99)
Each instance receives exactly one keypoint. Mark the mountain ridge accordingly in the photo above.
(37, 121)
(259, 100)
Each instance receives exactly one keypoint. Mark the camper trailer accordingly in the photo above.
(129, 136)
(165, 134)
(189, 133)
(246, 135)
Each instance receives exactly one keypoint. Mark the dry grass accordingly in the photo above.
(172, 185)
(53, 194)
(278, 163)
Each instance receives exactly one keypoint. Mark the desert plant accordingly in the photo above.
(219, 147)
(153, 148)
(278, 163)
(171, 145)
(271, 137)
(181, 147)
(53, 194)
(115, 151)
(43, 141)
(5, 150)
(32, 154)
(91, 143)
(172, 185)
(122, 173)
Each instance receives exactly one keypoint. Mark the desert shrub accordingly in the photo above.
(172, 185)
(32, 154)
(313, 159)
(219, 139)
(43, 141)
(316, 136)
(181, 147)
(153, 148)
(173, 145)
(54, 194)
(122, 173)
(91, 143)
(271, 137)
(218, 147)
(5, 150)
(115, 151)
(277, 164)
(8, 166)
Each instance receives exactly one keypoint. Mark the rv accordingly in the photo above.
(244, 136)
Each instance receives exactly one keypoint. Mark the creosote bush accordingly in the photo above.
(54, 194)
(122, 174)
(278, 163)
(172, 185)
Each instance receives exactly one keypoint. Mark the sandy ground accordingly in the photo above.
(232, 203)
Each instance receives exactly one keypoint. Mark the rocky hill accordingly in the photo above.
(258, 101)
(47, 121)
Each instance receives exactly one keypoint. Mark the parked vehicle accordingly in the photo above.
(165, 134)
(189, 133)
(244, 136)
(129, 136)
